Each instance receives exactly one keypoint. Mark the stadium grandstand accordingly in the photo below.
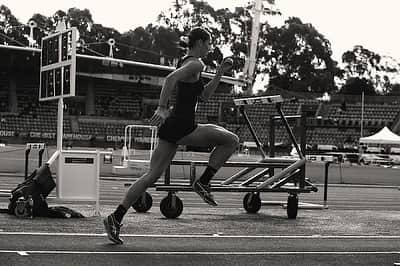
(109, 97)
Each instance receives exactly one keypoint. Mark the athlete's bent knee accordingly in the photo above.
(234, 141)
(151, 178)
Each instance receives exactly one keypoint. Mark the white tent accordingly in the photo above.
(384, 136)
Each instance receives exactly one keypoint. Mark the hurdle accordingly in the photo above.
(290, 179)
(321, 159)
(30, 147)
(132, 162)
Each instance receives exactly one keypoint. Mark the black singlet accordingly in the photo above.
(181, 122)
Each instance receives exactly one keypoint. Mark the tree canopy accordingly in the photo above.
(299, 58)
(363, 64)
(294, 56)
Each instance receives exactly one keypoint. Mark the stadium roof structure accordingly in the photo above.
(384, 136)
(86, 65)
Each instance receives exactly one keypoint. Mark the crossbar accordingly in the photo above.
(286, 179)
(238, 175)
(266, 163)
(277, 117)
(281, 174)
(188, 188)
(258, 100)
(254, 178)
(245, 171)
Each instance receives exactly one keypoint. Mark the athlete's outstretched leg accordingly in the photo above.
(160, 160)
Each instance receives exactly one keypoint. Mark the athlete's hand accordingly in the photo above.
(159, 116)
(226, 64)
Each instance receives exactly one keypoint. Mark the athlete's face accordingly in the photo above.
(205, 48)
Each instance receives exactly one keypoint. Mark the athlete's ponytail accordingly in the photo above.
(184, 41)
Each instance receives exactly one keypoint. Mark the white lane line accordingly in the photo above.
(203, 252)
(22, 253)
(217, 235)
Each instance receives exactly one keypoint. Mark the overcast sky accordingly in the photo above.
(373, 24)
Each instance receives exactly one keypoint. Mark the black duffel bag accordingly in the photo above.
(29, 197)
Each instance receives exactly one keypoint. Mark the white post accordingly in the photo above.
(111, 43)
(32, 24)
(97, 211)
(60, 119)
(125, 148)
(362, 113)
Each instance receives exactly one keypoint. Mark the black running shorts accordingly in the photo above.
(174, 128)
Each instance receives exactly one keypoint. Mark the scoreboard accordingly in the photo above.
(58, 65)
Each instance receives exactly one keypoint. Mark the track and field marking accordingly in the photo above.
(27, 252)
(216, 235)
(22, 253)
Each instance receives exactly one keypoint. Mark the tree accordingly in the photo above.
(380, 70)
(93, 36)
(360, 61)
(360, 64)
(299, 58)
(138, 45)
(227, 28)
(45, 25)
(12, 31)
(165, 42)
(355, 86)
(82, 19)
(388, 74)
(296, 55)
(394, 90)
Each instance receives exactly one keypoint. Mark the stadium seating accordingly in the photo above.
(115, 108)
(375, 115)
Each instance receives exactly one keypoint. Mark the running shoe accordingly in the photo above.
(112, 228)
(204, 192)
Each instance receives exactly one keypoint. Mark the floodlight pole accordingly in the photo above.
(255, 32)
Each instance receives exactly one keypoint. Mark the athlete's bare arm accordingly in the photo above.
(187, 72)
(211, 86)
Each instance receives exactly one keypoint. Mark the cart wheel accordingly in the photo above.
(144, 203)
(21, 210)
(171, 206)
(252, 202)
(292, 206)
